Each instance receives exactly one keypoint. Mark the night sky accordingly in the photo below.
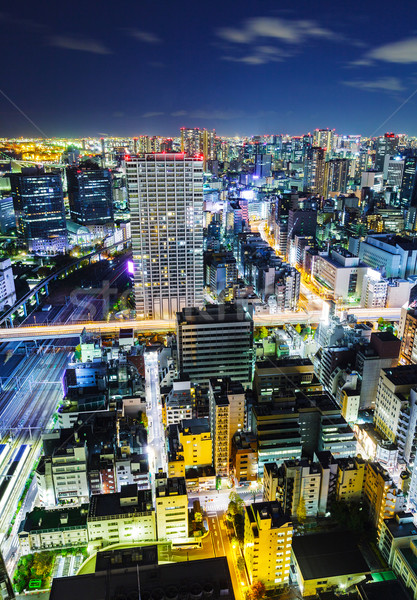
(80, 68)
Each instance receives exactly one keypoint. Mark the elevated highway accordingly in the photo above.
(62, 331)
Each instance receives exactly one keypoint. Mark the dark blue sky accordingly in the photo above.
(136, 67)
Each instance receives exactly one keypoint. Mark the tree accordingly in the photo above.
(301, 511)
(143, 418)
(241, 563)
(257, 591)
(263, 333)
(381, 323)
(236, 504)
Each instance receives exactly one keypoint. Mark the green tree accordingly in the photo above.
(301, 511)
(263, 333)
(236, 504)
(143, 418)
(241, 563)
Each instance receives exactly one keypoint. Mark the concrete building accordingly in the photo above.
(299, 488)
(61, 474)
(342, 567)
(171, 508)
(134, 572)
(381, 353)
(267, 543)
(231, 328)
(195, 442)
(391, 255)
(339, 274)
(396, 533)
(382, 495)
(408, 327)
(245, 457)
(350, 479)
(125, 516)
(179, 402)
(166, 208)
(7, 287)
(396, 409)
(43, 529)
(274, 378)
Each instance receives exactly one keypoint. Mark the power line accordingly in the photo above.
(23, 113)
(394, 113)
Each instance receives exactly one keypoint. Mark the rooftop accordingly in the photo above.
(326, 555)
(102, 505)
(40, 519)
(210, 575)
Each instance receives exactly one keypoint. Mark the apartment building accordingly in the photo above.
(267, 543)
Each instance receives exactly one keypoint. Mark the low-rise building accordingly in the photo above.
(195, 442)
(44, 529)
(171, 508)
(126, 516)
(327, 560)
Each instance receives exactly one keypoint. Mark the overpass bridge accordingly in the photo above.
(62, 331)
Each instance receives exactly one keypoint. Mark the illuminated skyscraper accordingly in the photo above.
(385, 145)
(324, 139)
(336, 174)
(90, 194)
(314, 170)
(39, 207)
(198, 141)
(166, 209)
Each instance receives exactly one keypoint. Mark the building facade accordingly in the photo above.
(166, 208)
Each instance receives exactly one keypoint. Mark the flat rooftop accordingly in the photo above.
(209, 576)
(325, 555)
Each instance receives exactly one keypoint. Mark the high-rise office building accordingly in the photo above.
(263, 166)
(7, 216)
(39, 207)
(314, 170)
(166, 208)
(216, 342)
(386, 144)
(336, 174)
(90, 194)
(409, 180)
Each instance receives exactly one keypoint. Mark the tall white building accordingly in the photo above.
(7, 289)
(166, 209)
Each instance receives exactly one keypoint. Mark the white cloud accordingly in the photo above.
(144, 36)
(151, 114)
(285, 30)
(179, 113)
(289, 33)
(401, 52)
(70, 42)
(389, 84)
(404, 51)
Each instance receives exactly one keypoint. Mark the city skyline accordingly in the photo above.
(252, 71)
